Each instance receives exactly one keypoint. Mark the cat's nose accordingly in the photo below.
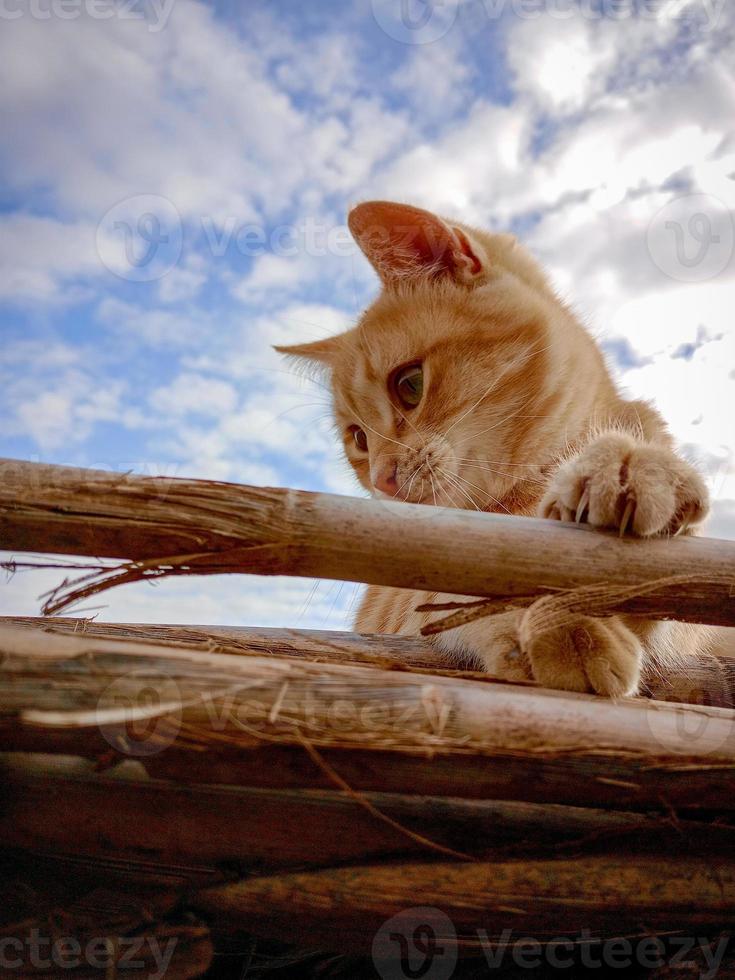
(385, 479)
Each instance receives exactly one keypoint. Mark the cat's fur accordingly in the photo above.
(519, 414)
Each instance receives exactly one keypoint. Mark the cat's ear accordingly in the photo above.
(318, 351)
(407, 243)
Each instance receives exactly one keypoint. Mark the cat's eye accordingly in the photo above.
(408, 385)
(359, 438)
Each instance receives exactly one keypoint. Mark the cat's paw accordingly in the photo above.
(601, 656)
(617, 482)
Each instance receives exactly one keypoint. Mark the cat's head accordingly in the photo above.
(439, 387)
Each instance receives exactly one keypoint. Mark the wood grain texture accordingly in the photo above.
(251, 720)
(98, 915)
(215, 527)
(63, 806)
(348, 906)
(700, 679)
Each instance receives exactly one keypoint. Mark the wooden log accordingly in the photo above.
(63, 917)
(318, 646)
(697, 679)
(62, 806)
(714, 957)
(283, 722)
(182, 950)
(200, 527)
(473, 903)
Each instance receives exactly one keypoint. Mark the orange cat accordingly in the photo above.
(468, 383)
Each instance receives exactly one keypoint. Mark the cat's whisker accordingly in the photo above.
(446, 486)
(293, 408)
(433, 488)
(476, 435)
(406, 419)
(456, 502)
(482, 491)
(508, 476)
(514, 415)
(364, 425)
(457, 486)
(408, 492)
(295, 373)
(473, 407)
(500, 462)
(495, 384)
(409, 477)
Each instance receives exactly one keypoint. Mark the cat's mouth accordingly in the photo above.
(430, 484)
(423, 475)
(410, 494)
(441, 484)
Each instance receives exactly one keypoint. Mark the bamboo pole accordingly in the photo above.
(284, 722)
(200, 527)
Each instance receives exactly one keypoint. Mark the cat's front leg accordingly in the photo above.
(615, 482)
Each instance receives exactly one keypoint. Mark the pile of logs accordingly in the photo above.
(172, 794)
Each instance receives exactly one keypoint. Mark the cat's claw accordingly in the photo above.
(687, 519)
(627, 514)
(584, 502)
(621, 483)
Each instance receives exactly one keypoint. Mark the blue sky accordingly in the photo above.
(175, 180)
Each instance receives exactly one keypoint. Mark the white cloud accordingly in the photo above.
(66, 413)
(561, 64)
(694, 396)
(721, 523)
(38, 253)
(153, 326)
(259, 417)
(194, 394)
(610, 120)
(324, 68)
(185, 281)
(276, 274)
(473, 171)
(434, 79)
(56, 395)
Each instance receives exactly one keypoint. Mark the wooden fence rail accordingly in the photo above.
(180, 526)
(196, 783)
(265, 784)
(279, 721)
